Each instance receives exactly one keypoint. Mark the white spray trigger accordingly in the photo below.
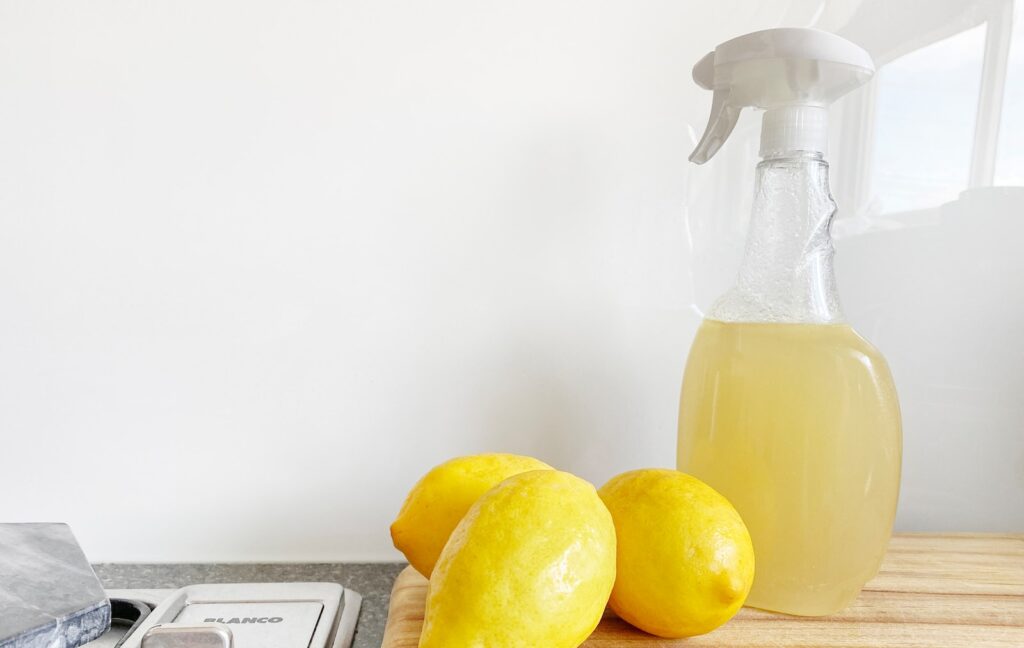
(792, 73)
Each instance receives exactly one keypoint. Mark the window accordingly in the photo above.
(924, 133)
(1009, 168)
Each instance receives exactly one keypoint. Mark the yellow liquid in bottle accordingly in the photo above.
(799, 427)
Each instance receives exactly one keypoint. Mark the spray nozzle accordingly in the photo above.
(791, 73)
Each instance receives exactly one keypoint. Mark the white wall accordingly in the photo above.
(264, 263)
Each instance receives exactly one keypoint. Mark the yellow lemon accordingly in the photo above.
(530, 566)
(685, 560)
(440, 499)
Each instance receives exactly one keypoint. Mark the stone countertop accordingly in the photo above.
(372, 580)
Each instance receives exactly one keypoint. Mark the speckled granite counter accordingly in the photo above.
(372, 580)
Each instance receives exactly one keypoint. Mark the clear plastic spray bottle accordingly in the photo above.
(785, 409)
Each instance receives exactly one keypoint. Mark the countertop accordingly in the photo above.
(959, 590)
(372, 580)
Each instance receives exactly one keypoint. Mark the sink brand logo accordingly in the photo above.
(244, 620)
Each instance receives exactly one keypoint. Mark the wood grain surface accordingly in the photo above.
(933, 591)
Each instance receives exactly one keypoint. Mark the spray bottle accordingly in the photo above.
(785, 409)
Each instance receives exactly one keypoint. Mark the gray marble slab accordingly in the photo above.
(372, 580)
(49, 595)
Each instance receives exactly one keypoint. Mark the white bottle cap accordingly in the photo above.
(792, 73)
(794, 128)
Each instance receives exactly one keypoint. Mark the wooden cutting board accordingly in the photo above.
(933, 591)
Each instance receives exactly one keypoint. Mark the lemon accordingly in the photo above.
(439, 500)
(530, 566)
(685, 560)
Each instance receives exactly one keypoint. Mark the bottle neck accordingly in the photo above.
(787, 274)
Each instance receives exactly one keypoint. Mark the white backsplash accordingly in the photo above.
(262, 264)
